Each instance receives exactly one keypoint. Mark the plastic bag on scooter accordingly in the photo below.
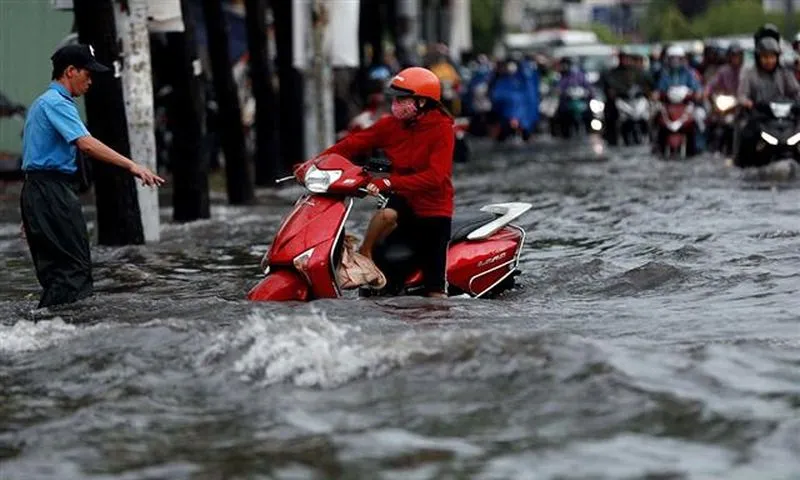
(356, 270)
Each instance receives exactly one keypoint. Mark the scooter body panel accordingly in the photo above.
(283, 285)
(476, 267)
(315, 220)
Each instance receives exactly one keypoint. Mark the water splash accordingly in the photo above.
(310, 350)
(26, 336)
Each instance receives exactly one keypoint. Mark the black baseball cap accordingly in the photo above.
(79, 56)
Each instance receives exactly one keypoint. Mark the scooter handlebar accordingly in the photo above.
(382, 199)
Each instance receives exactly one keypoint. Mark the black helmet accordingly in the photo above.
(767, 30)
(768, 44)
(711, 46)
(735, 48)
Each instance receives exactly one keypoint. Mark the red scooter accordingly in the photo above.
(304, 258)
(676, 126)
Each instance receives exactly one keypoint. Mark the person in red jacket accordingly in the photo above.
(418, 138)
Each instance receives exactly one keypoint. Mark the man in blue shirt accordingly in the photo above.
(51, 212)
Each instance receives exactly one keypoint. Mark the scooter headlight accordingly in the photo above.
(725, 102)
(596, 125)
(769, 138)
(791, 141)
(596, 106)
(318, 181)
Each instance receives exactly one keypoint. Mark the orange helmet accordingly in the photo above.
(417, 81)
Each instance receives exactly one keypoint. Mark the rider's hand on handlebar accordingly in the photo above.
(747, 103)
(378, 185)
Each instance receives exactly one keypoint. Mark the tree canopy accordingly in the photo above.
(664, 21)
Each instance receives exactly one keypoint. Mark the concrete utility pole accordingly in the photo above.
(790, 26)
(137, 86)
(460, 28)
(322, 79)
(408, 12)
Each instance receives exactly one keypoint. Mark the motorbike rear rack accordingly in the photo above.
(508, 213)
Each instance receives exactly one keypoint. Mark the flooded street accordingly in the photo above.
(655, 334)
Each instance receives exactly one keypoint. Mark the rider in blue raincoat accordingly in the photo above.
(678, 73)
(476, 99)
(530, 72)
(515, 100)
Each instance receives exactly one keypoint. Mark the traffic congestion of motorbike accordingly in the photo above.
(713, 97)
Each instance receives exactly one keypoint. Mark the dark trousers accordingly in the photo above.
(429, 238)
(57, 237)
(746, 155)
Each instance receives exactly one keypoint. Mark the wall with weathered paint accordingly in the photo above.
(29, 33)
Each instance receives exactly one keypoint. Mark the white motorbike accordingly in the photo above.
(634, 116)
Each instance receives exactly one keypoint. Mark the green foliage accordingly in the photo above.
(730, 18)
(664, 22)
(485, 23)
(605, 35)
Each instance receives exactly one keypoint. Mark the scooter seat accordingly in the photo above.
(464, 224)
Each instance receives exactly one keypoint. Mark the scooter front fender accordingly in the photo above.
(282, 285)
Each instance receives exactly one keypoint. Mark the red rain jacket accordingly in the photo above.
(422, 159)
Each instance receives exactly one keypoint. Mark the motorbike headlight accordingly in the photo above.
(725, 102)
(791, 141)
(318, 181)
(769, 138)
(596, 106)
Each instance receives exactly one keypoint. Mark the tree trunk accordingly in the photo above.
(266, 159)
(237, 170)
(186, 119)
(370, 30)
(118, 215)
(291, 88)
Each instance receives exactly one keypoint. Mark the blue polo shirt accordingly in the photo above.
(51, 127)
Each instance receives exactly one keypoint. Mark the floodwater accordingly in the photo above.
(654, 335)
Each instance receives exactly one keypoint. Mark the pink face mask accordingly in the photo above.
(404, 108)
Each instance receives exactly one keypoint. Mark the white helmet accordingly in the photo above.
(676, 51)
(797, 38)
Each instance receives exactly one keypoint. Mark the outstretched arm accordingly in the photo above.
(99, 150)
